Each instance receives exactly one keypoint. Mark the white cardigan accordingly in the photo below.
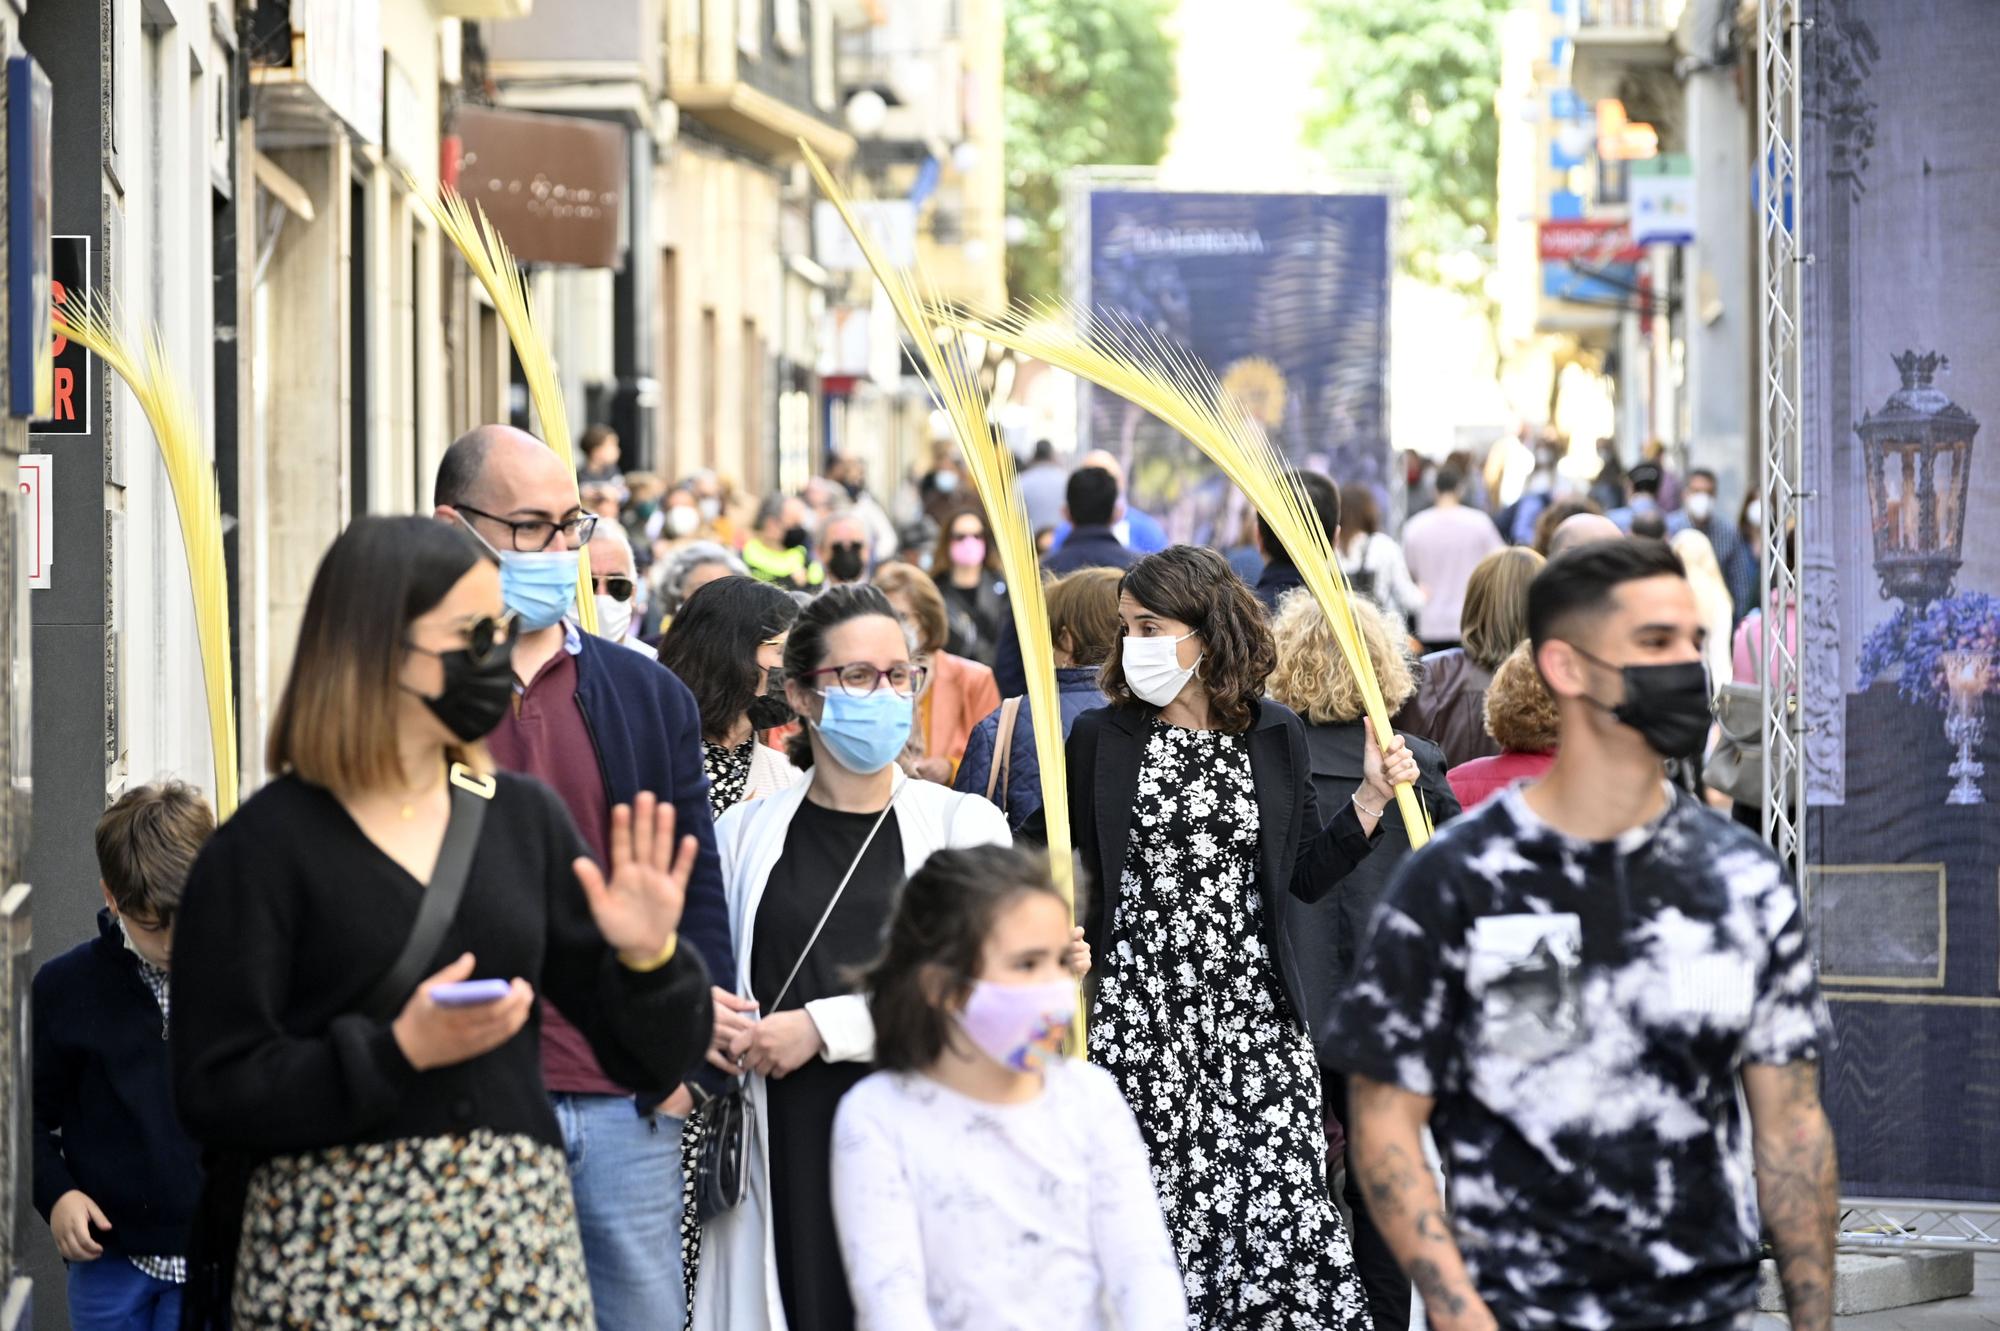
(737, 1289)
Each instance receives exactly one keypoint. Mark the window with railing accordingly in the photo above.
(1628, 14)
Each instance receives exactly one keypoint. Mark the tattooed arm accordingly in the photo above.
(1385, 1143)
(1796, 1185)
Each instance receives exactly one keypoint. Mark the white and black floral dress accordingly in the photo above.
(1192, 1019)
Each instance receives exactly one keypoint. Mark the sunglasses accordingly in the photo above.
(486, 639)
(614, 585)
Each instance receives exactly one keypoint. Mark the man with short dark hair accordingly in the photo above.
(1642, 484)
(1091, 507)
(1136, 531)
(1442, 545)
(1578, 987)
(1698, 513)
(1280, 574)
(597, 724)
(1091, 503)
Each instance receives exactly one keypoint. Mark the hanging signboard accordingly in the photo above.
(73, 382)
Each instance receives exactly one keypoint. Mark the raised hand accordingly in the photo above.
(638, 909)
(1386, 767)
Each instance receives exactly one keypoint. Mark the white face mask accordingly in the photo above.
(1153, 669)
(711, 508)
(1700, 505)
(614, 618)
(1753, 516)
(681, 521)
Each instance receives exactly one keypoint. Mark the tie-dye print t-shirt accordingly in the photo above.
(1579, 1011)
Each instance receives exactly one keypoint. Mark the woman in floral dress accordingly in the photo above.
(1193, 808)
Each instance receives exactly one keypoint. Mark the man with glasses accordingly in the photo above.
(621, 603)
(598, 725)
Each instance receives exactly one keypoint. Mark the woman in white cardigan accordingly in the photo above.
(811, 873)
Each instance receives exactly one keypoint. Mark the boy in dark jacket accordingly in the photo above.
(115, 1176)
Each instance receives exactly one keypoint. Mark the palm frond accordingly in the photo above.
(954, 385)
(487, 255)
(198, 505)
(1166, 379)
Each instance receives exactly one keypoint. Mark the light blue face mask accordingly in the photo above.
(865, 734)
(540, 588)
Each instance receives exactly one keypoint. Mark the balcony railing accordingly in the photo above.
(1630, 14)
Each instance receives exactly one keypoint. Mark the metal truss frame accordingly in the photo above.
(1871, 1224)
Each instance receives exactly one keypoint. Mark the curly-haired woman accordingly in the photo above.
(1521, 717)
(1193, 807)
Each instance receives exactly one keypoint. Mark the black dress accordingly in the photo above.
(819, 846)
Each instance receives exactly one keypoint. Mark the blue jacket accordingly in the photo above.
(646, 729)
(1078, 694)
(104, 1099)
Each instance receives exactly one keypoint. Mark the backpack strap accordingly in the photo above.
(470, 794)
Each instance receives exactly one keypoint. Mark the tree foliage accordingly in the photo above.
(1089, 82)
(1408, 89)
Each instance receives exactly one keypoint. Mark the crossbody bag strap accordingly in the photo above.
(845, 878)
(470, 794)
(1003, 752)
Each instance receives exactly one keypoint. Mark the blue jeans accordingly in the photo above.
(111, 1294)
(625, 1169)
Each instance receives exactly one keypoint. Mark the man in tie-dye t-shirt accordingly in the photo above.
(1578, 988)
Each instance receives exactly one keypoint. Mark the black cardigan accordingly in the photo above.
(1326, 935)
(1298, 856)
(291, 914)
(104, 1104)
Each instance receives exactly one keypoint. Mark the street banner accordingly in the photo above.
(1899, 181)
(1283, 297)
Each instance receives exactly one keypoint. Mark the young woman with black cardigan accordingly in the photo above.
(407, 1170)
(1193, 808)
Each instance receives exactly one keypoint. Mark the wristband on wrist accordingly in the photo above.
(1376, 814)
(653, 964)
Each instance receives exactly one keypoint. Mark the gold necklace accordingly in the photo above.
(408, 809)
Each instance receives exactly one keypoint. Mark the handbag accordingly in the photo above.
(1736, 767)
(721, 1180)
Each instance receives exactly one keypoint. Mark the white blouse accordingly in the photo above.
(958, 1215)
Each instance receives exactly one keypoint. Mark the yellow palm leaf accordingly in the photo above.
(954, 387)
(197, 504)
(487, 255)
(1166, 380)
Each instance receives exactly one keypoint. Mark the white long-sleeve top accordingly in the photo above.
(958, 1215)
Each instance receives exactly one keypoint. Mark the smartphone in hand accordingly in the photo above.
(470, 993)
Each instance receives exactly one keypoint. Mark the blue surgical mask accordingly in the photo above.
(865, 734)
(539, 588)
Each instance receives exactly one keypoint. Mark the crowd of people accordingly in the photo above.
(707, 970)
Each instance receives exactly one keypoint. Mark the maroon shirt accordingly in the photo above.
(546, 737)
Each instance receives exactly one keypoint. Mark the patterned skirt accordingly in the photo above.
(446, 1232)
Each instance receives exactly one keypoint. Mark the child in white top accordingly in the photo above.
(981, 1181)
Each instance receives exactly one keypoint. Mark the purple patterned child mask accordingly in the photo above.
(1019, 1026)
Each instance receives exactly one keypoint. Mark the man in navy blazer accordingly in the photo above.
(597, 723)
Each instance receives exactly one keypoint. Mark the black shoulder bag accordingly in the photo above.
(218, 1222)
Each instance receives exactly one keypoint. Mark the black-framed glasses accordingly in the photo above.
(535, 535)
(614, 585)
(485, 639)
(858, 679)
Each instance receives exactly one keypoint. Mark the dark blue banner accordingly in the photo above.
(1285, 297)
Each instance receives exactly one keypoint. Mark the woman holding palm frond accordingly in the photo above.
(1194, 812)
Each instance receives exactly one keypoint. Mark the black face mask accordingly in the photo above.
(476, 693)
(844, 562)
(795, 536)
(769, 710)
(1667, 704)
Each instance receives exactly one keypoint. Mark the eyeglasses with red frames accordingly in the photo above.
(858, 679)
